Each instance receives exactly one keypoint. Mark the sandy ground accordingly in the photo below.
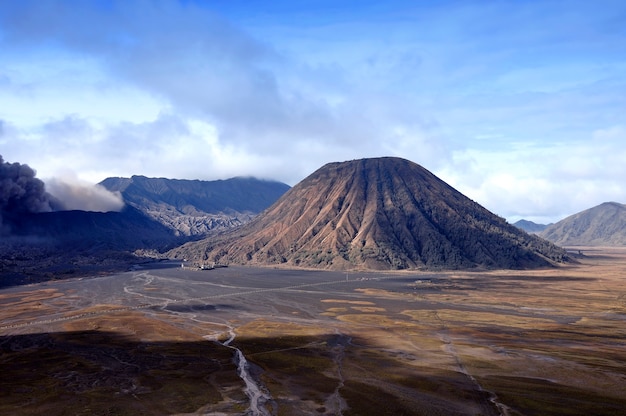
(151, 341)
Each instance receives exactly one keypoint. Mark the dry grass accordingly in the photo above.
(547, 342)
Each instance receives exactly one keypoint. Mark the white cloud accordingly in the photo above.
(546, 181)
(517, 105)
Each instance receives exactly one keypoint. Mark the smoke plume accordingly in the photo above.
(20, 192)
(75, 194)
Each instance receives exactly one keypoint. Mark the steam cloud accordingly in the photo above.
(75, 194)
(20, 192)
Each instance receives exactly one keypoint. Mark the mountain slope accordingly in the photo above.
(383, 213)
(603, 225)
(194, 207)
(57, 245)
(127, 230)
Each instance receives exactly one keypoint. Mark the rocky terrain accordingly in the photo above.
(382, 213)
(194, 207)
(603, 225)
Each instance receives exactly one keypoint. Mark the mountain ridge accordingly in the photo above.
(196, 207)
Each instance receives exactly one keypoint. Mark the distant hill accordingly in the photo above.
(194, 207)
(530, 227)
(382, 213)
(603, 225)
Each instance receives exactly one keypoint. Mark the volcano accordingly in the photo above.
(377, 214)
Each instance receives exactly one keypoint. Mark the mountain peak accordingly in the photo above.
(378, 213)
(530, 227)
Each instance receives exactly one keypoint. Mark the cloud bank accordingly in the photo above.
(513, 103)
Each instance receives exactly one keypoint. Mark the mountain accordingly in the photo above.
(127, 230)
(530, 227)
(381, 213)
(194, 207)
(56, 245)
(603, 225)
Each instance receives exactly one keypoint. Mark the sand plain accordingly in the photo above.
(161, 340)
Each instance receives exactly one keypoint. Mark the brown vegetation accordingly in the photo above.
(544, 342)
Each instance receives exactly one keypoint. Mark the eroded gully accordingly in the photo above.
(258, 398)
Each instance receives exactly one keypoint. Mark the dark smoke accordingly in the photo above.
(20, 192)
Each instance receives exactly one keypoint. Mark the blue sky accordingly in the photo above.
(520, 105)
